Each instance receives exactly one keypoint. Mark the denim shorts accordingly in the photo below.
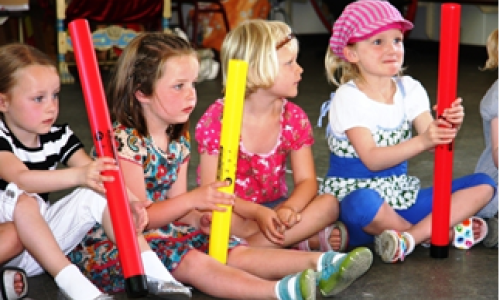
(273, 204)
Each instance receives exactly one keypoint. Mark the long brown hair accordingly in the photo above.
(138, 69)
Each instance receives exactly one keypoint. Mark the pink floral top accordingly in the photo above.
(259, 177)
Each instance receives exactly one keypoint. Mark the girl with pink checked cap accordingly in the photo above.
(370, 138)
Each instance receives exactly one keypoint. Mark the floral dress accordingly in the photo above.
(97, 257)
(260, 178)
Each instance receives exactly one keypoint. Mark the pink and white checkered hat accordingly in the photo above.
(363, 19)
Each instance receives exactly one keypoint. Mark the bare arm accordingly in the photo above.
(179, 188)
(430, 133)
(181, 203)
(208, 174)
(494, 141)
(44, 181)
(380, 158)
(159, 213)
(304, 178)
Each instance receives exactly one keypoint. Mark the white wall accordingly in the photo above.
(476, 24)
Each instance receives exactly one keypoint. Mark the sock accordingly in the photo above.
(329, 258)
(319, 266)
(288, 288)
(72, 282)
(153, 267)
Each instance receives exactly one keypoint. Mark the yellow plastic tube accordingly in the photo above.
(228, 154)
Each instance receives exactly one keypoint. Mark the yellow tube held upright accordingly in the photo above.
(228, 154)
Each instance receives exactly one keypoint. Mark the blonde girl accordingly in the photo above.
(371, 115)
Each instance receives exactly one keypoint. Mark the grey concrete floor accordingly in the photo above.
(469, 274)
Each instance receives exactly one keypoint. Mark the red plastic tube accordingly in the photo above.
(102, 133)
(443, 159)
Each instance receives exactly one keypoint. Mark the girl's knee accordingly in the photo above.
(329, 201)
(26, 202)
(359, 208)
(192, 260)
(488, 192)
(486, 187)
(361, 201)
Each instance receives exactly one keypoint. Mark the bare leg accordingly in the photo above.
(272, 264)
(37, 237)
(108, 229)
(321, 212)
(222, 281)
(11, 245)
(464, 204)
(243, 228)
(387, 218)
(327, 206)
(153, 266)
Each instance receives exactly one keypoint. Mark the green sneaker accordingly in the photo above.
(341, 269)
(300, 286)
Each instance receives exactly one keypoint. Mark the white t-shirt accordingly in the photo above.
(352, 108)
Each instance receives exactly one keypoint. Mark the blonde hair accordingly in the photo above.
(255, 42)
(339, 71)
(492, 49)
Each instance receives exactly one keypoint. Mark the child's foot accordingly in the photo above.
(300, 286)
(339, 270)
(333, 237)
(469, 232)
(172, 290)
(73, 285)
(14, 283)
(18, 283)
(393, 246)
(161, 283)
(477, 230)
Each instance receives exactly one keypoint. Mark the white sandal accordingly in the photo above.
(7, 290)
(464, 235)
(324, 236)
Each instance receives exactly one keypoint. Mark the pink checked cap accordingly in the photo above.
(363, 19)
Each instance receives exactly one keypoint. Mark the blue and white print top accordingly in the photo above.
(390, 124)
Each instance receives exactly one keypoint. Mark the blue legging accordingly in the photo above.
(358, 209)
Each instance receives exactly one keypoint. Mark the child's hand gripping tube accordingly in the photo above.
(228, 154)
(102, 133)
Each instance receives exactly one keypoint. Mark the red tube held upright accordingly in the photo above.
(443, 160)
(103, 137)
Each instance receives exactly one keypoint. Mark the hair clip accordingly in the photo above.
(285, 41)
